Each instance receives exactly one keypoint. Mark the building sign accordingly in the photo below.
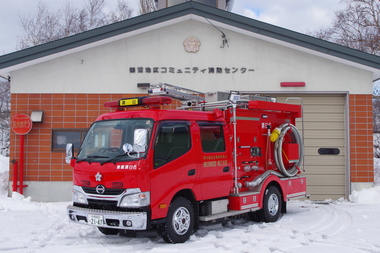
(21, 124)
(192, 44)
(191, 70)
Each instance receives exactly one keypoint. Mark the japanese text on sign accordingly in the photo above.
(21, 124)
(191, 70)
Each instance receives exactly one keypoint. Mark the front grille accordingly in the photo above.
(103, 204)
(109, 191)
(108, 205)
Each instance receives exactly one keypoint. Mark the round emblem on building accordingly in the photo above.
(100, 189)
(192, 44)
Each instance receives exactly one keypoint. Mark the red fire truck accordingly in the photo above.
(146, 168)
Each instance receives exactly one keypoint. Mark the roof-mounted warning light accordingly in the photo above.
(138, 101)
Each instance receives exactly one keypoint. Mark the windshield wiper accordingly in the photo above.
(91, 157)
(112, 160)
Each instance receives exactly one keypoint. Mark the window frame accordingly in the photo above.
(53, 143)
(222, 135)
(159, 127)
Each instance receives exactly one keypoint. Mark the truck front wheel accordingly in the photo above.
(272, 206)
(179, 222)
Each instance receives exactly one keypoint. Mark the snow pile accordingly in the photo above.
(4, 175)
(17, 196)
(377, 171)
(371, 195)
(366, 196)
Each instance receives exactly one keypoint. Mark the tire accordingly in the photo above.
(179, 222)
(272, 206)
(108, 231)
(256, 216)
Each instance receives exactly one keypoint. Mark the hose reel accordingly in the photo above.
(277, 136)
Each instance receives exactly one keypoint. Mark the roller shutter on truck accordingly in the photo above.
(325, 148)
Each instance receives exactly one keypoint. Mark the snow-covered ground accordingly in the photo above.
(341, 226)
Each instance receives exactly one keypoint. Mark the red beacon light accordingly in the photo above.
(138, 101)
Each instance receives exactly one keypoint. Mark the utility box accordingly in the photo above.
(214, 207)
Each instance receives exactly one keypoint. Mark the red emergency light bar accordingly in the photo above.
(138, 101)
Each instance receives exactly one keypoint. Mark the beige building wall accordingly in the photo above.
(245, 63)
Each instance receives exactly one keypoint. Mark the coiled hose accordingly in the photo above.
(284, 128)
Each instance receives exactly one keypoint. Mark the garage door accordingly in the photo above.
(324, 137)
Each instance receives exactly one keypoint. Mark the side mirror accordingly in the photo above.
(140, 140)
(69, 152)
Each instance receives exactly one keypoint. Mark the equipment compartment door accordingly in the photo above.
(215, 161)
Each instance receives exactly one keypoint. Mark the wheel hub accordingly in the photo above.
(181, 221)
(273, 204)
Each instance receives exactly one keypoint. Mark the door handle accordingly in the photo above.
(226, 169)
(191, 172)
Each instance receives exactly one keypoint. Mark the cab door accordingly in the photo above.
(174, 164)
(215, 161)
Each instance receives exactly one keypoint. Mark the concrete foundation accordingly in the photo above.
(46, 191)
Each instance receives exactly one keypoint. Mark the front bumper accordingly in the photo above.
(111, 219)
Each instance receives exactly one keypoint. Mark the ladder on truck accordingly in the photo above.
(186, 96)
(190, 99)
(195, 100)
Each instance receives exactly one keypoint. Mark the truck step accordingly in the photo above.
(225, 214)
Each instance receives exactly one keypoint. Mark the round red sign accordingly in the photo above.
(21, 124)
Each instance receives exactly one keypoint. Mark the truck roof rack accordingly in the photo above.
(186, 96)
(195, 100)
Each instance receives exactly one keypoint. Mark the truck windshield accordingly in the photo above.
(104, 140)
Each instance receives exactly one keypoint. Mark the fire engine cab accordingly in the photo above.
(142, 167)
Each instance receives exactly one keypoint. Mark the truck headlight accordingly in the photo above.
(79, 197)
(136, 200)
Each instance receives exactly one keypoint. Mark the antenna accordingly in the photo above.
(224, 37)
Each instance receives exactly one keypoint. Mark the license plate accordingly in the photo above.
(95, 219)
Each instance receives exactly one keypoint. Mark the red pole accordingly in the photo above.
(21, 125)
(21, 164)
(15, 180)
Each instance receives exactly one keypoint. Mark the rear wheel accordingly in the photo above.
(272, 206)
(109, 231)
(179, 221)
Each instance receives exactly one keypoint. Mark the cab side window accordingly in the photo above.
(212, 137)
(172, 141)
